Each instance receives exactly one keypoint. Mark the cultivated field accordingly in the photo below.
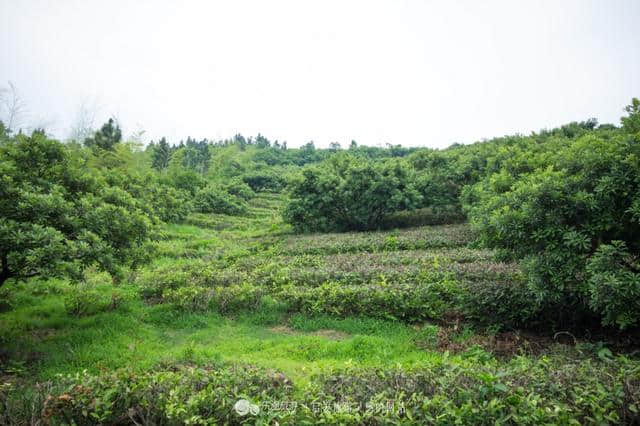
(348, 328)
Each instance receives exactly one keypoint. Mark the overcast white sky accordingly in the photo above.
(411, 72)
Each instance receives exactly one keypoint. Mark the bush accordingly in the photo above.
(559, 216)
(430, 299)
(239, 189)
(189, 298)
(168, 203)
(525, 391)
(264, 180)
(6, 300)
(153, 283)
(58, 216)
(169, 395)
(215, 200)
(349, 194)
(508, 304)
(86, 299)
(238, 297)
(614, 285)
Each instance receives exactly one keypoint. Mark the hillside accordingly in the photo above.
(243, 282)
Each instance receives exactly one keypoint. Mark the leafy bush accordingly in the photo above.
(523, 391)
(87, 299)
(236, 298)
(6, 300)
(154, 282)
(169, 204)
(239, 189)
(58, 216)
(506, 304)
(189, 298)
(349, 194)
(422, 217)
(215, 200)
(614, 284)
(428, 300)
(559, 215)
(264, 180)
(171, 395)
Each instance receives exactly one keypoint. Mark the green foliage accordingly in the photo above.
(85, 299)
(182, 178)
(215, 200)
(263, 180)
(349, 194)
(521, 392)
(557, 216)
(614, 284)
(631, 123)
(357, 319)
(57, 216)
(429, 299)
(107, 137)
(168, 203)
(239, 189)
(188, 298)
(198, 395)
(161, 155)
(236, 298)
(196, 155)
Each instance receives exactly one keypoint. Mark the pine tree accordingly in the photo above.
(107, 137)
(161, 155)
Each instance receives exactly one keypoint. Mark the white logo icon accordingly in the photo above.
(244, 407)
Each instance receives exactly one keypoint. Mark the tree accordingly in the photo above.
(107, 137)
(197, 155)
(349, 194)
(57, 216)
(575, 223)
(12, 107)
(631, 123)
(215, 200)
(161, 155)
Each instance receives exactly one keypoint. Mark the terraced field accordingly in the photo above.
(354, 328)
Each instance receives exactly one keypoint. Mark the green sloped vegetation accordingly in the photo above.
(496, 282)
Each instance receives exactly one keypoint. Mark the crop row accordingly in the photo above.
(411, 267)
(523, 391)
(427, 237)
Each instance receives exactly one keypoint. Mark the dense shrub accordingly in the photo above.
(558, 216)
(85, 299)
(216, 200)
(427, 299)
(239, 189)
(154, 282)
(57, 216)
(236, 298)
(614, 284)
(167, 396)
(188, 298)
(169, 204)
(501, 303)
(264, 180)
(445, 236)
(349, 194)
(523, 391)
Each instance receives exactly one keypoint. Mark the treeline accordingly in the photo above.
(564, 202)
